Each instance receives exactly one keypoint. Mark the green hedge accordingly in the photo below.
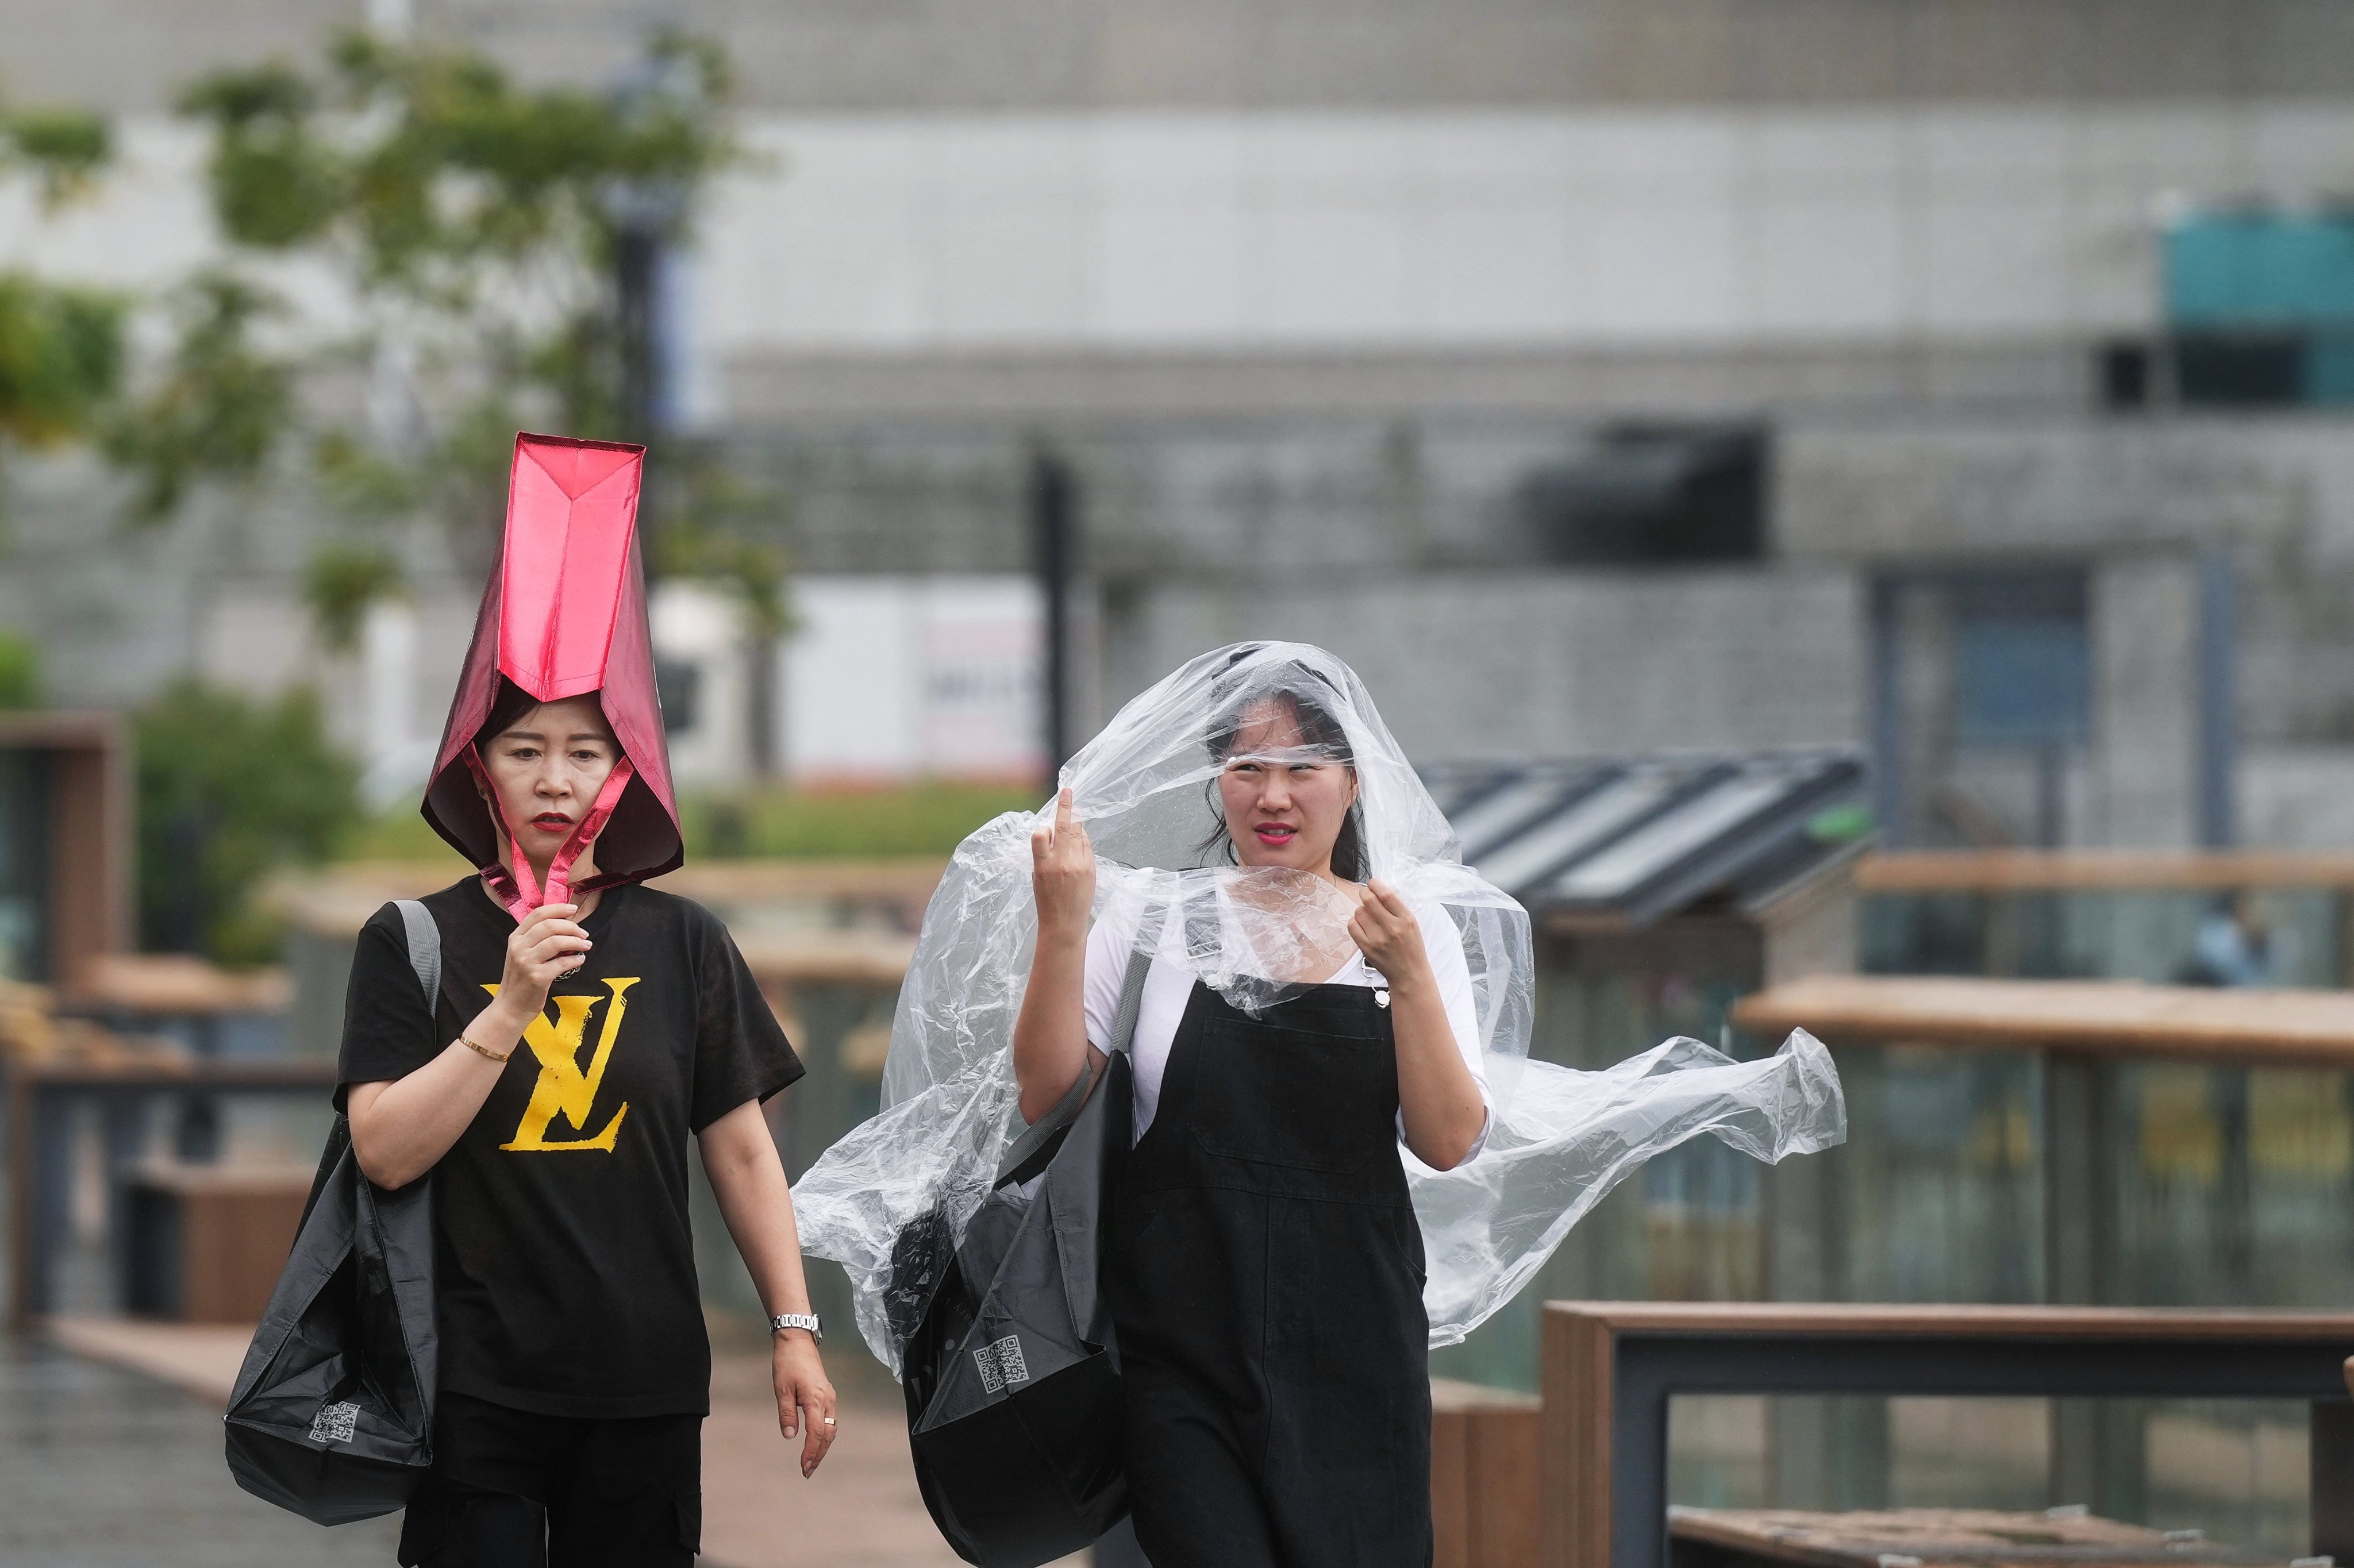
(231, 788)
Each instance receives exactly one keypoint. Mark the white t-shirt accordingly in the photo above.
(1168, 986)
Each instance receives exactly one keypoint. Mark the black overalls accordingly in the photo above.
(1265, 1283)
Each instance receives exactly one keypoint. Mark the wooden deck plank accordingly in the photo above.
(1947, 1538)
(2104, 1017)
(2099, 871)
(1849, 1318)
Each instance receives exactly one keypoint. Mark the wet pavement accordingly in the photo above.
(110, 1455)
(105, 1468)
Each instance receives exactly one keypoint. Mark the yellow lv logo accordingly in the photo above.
(562, 1085)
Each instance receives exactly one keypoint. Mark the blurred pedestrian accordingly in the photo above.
(2232, 945)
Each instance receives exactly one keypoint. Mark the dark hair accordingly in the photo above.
(1319, 727)
(509, 707)
(511, 703)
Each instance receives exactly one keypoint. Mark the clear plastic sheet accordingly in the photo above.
(1146, 791)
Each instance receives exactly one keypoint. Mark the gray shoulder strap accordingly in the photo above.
(424, 947)
(1123, 1033)
(1131, 1000)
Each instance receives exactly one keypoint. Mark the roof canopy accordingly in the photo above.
(1639, 838)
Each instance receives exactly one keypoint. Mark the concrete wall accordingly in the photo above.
(1400, 544)
(2144, 617)
(888, 55)
(898, 242)
(2276, 491)
(1475, 665)
(2297, 796)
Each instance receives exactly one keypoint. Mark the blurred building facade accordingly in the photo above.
(1915, 375)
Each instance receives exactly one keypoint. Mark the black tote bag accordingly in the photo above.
(1009, 1372)
(331, 1417)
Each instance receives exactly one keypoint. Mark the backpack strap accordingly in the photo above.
(424, 947)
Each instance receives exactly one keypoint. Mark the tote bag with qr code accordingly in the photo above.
(331, 1417)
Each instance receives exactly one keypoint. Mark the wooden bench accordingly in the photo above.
(1483, 1475)
(2102, 871)
(1939, 1538)
(1610, 1369)
(41, 1098)
(205, 1244)
(2071, 1018)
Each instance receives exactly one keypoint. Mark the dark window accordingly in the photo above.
(678, 685)
(2022, 657)
(2020, 681)
(2125, 372)
(2261, 305)
(1973, 667)
(1654, 494)
(2241, 369)
(25, 868)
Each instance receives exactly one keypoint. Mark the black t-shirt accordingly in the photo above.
(566, 1264)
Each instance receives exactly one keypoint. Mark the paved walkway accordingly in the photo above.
(102, 1468)
(111, 1457)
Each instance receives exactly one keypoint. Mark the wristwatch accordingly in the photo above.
(783, 1320)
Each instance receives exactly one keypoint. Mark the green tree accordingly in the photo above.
(61, 347)
(230, 789)
(481, 230)
(20, 670)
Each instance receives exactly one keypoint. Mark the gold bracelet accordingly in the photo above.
(478, 1050)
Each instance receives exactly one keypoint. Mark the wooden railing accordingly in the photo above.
(1610, 1369)
(41, 1165)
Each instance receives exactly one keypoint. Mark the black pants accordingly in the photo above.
(513, 1490)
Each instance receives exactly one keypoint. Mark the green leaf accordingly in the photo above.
(67, 146)
(342, 581)
(20, 670)
(219, 409)
(60, 355)
(362, 485)
(275, 184)
(236, 100)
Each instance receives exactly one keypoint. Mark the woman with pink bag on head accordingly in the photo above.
(587, 1029)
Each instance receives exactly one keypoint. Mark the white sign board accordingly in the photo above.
(890, 679)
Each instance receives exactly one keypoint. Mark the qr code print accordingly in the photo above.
(1000, 1362)
(334, 1422)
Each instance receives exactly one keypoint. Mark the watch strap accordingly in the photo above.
(783, 1320)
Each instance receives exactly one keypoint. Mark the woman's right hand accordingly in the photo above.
(544, 948)
(1063, 873)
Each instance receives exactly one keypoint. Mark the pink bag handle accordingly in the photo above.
(519, 892)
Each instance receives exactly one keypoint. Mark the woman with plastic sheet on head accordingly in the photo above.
(586, 1027)
(1340, 1154)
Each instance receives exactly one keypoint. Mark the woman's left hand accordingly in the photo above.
(1386, 932)
(804, 1398)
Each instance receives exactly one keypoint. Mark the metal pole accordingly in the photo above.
(637, 256)
(2218, 733)
(1887, 715)
(1052, 525)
